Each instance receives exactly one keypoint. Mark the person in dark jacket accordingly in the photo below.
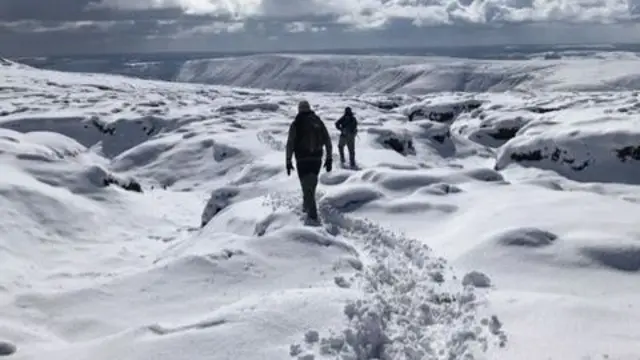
(348, 127)
(306, 139)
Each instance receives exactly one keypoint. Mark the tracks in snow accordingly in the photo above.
(414, 308)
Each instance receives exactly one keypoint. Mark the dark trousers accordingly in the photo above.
(308, 171)
(348, 140)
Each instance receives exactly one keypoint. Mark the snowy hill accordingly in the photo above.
(552, 70)
(154, 220)
(414, 75)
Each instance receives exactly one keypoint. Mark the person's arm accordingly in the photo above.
(340, 123)
(291, 140)
(327, 142)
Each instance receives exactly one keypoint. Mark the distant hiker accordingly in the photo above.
(348, 126)
(307, 136)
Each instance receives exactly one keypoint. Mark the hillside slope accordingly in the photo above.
(413, 75)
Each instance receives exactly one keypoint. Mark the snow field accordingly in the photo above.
(449, 229)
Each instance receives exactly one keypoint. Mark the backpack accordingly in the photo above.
(309, 134)
(349, 125)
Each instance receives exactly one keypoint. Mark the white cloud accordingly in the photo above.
(376, 13)
(241, 8)
(31, 26)
(301, 26)
(215, 27)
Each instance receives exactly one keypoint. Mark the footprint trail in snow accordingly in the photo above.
(414, 307)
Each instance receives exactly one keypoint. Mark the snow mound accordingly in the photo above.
(528, 237)
(600, 149)
(67, 163)
(623, 258)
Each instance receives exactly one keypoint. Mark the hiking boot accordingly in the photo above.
(312, 221)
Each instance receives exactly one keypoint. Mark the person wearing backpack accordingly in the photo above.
(306, 139)
(348, 127)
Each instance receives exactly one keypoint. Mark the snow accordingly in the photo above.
(355, 74)
(154, 220)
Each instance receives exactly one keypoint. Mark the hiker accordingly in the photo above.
(348, 127)
(307, 136)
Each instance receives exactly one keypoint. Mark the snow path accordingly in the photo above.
(414, 308)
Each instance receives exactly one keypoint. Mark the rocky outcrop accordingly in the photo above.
(7, 348)
(102, 178)
(400, 142)
(445, 112)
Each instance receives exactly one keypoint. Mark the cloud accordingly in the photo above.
(365, 14)
(360, 13)
(302, 27)
(141, 25)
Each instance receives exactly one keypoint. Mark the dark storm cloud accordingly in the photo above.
(75, 10)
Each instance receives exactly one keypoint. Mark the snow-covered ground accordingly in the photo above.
(152, 220)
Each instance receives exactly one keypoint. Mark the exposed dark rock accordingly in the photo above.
(395, 144)
(442, 137)
(505, 133)
(220, 199)
(383, 105)
(433, 116)
(628, 152)
(435, 131)
(248, 107)
(103, 128)
(530, 156)
(444, 113)
(544, 110)
(7, 348)
(129, 185)
(399, 146)
(558, 155)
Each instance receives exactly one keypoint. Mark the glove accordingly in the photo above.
(289, 167)
(328, 164)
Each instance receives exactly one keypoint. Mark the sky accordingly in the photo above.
(48, 27)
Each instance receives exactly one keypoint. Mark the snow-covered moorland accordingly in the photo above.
(151, 220)
(355, 74)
